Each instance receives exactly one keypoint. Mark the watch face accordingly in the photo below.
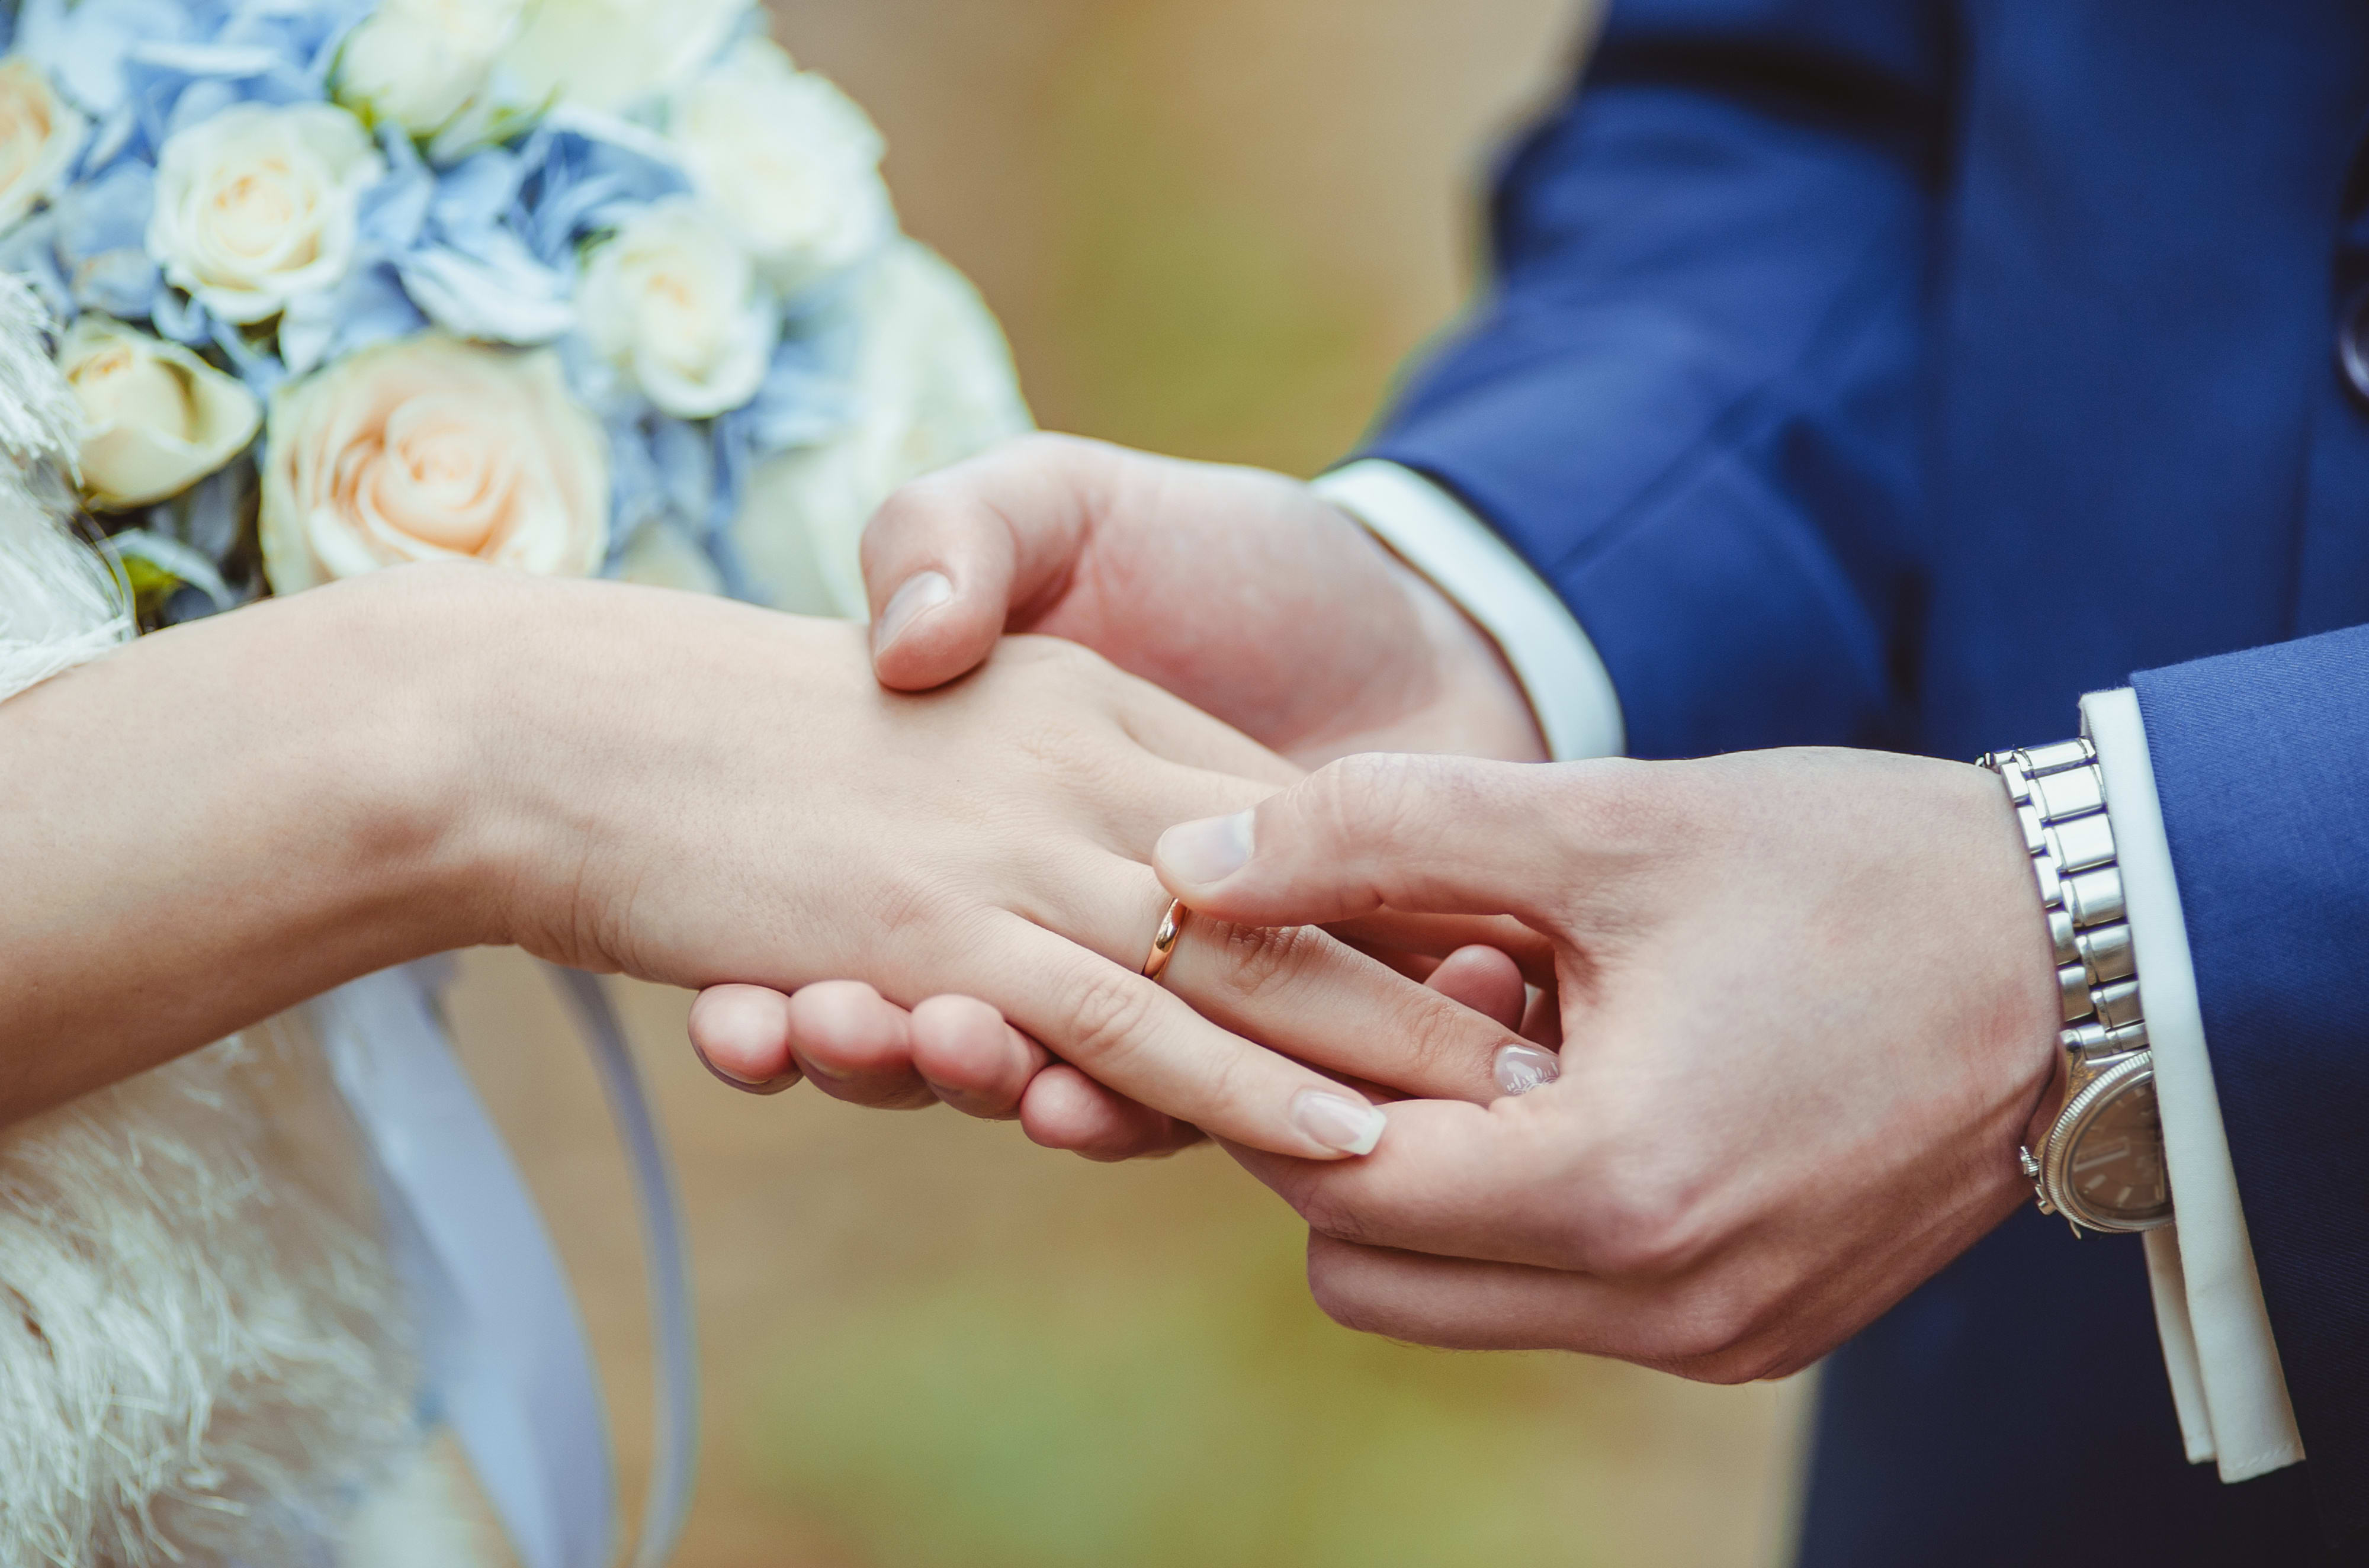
(2111, 1174)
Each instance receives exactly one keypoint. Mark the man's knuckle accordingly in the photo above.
(1332, 1217)
(1335, 1284)
(1038, 448)
(1640, 1225)
(913, 512)
(1754, 1361)
(1357, 799)
(1711, 1337)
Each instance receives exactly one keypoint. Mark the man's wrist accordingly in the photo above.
(2099, 1163)
(2028, 994)
(1564, 685)
(1481, 709)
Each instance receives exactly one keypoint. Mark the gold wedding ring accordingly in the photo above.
(1163, 941)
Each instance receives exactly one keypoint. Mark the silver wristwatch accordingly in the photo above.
(2102, 1163)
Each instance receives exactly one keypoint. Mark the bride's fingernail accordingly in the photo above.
(1521, 1068)
(774, 1085)
(919, 594)
(1209, 850)
(1338, 1123)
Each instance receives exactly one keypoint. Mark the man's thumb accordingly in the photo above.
(1418, 834)
(941, 587)
(947, 559)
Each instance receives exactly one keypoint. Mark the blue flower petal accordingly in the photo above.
(102, 241)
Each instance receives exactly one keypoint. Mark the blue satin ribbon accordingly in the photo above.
(502, 1343)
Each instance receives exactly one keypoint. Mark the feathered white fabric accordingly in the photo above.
(196, 1360)
(202, 1356)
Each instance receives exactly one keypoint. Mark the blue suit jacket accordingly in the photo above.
(1889, 373)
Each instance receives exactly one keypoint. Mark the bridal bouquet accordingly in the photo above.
(575, 286)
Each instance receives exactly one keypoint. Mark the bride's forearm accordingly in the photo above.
(220, 821)
(228, 817)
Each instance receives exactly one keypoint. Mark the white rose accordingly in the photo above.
(39, 134)
(155, 417)
(256, 206)
(788, 159)
(419, 63)
(429, 448)
(606, 54)
(933, 383)
(673, 300)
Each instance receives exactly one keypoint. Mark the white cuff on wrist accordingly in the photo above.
(2217, 1345)
(1571, 694)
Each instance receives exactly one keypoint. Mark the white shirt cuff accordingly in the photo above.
(2217, 1346)
(1571, 694)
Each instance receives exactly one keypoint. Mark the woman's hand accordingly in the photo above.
(705, 792)
(699, 792)
(1808, 1008)
(855, 1044)
(228, 816)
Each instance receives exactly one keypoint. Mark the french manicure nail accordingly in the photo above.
(1338, 1123)
(916, 597)
(1521, 1068)
(1209, 850)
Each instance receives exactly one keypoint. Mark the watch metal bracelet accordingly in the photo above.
(2058, 793)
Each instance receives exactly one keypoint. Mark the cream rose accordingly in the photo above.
(606, 54)
(431, 449)
(788, 159)
(674, 301)
(39, 134)
(419, 63)
(256, 206)
(155, 417)
(933, 383)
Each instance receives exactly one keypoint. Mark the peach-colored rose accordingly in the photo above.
(39, 134)
(428, 449)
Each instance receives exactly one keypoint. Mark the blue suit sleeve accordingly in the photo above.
(2261, 761)
(1687, 397)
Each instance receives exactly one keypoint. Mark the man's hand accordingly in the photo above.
(1240, 592)
(1808, 1010)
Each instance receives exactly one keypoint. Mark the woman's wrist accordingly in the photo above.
(574, 720)
(507, 718)
(420, 682)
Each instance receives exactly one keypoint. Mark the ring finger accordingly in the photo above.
(1304, 993)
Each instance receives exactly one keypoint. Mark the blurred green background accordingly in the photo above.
(1213, 227)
